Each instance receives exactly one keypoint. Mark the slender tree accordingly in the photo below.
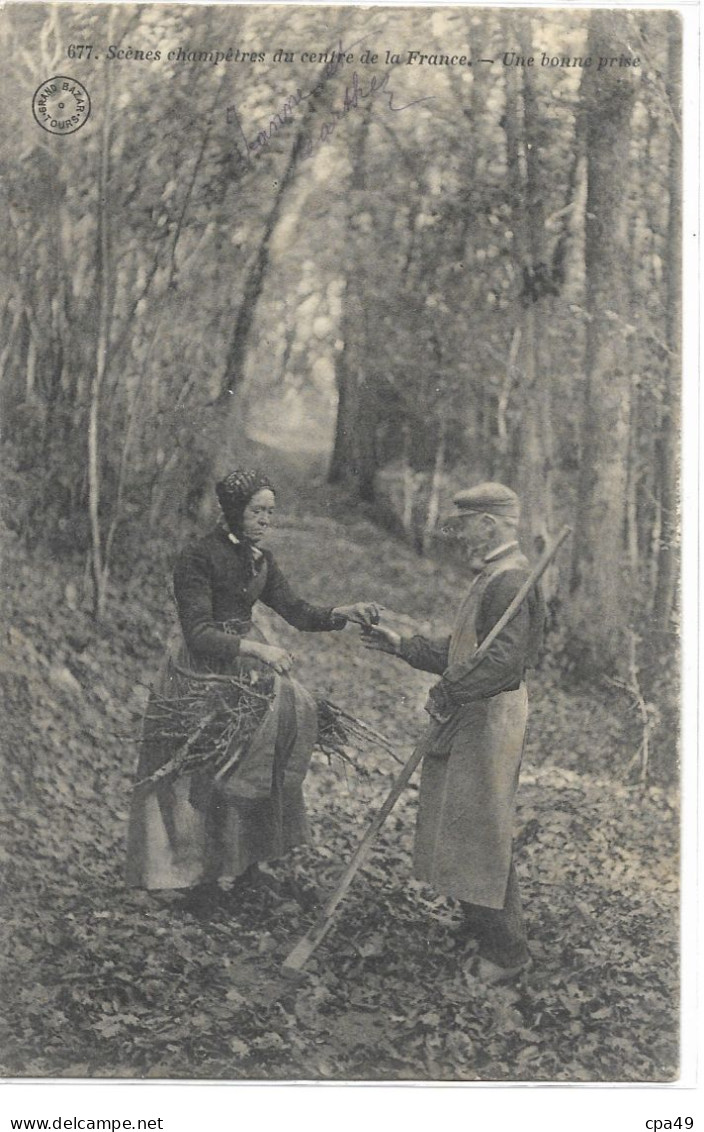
(599, 584)
(354, 457)
(235, 360)
(667, 444)
(526, 146)
(99, 572)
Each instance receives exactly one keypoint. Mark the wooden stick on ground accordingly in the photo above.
(296, 960)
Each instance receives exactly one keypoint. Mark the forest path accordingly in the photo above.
(106, 982)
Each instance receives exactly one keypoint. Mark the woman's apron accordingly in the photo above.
(190, 829)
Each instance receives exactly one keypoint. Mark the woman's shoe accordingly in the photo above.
(253, 879)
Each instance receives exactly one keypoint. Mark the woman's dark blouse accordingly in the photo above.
(214, 583)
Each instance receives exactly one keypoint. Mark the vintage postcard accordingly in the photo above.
(341, 385)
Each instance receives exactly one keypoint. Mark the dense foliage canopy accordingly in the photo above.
(476, 268)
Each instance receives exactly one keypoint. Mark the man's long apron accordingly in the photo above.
(469, 780)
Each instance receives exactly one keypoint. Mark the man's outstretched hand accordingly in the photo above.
(380, 639)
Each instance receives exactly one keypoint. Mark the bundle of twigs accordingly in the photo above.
(338, 730)
(208, 722)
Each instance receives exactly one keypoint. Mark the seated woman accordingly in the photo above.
(189, 832)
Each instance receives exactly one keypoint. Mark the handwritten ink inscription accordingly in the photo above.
(356, 93)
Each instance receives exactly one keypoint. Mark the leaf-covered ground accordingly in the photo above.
(100, 981)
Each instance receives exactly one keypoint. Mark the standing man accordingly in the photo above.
(463, 845)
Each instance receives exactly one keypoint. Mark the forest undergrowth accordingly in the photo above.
(101, 981)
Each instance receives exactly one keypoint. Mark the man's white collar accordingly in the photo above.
(499, 551)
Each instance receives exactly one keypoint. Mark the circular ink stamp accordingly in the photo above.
(61, 105)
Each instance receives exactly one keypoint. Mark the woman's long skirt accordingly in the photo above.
(190, 830)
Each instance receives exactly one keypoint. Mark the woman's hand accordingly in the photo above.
(379, 639)
(278, 659)
(362, 612)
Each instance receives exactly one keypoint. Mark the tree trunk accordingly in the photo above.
(239, 339)
(99, 573)
(408, 485)
(533, 467)
(641, 459)
(632, 541)
(342, 447)
(433, 510)
(599, 583)
(667, 447)
(10, 338)
(501, 464)
(354, 457)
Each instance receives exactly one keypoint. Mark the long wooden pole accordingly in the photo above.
(305, 947)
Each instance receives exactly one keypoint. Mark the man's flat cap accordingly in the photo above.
(488, 499)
